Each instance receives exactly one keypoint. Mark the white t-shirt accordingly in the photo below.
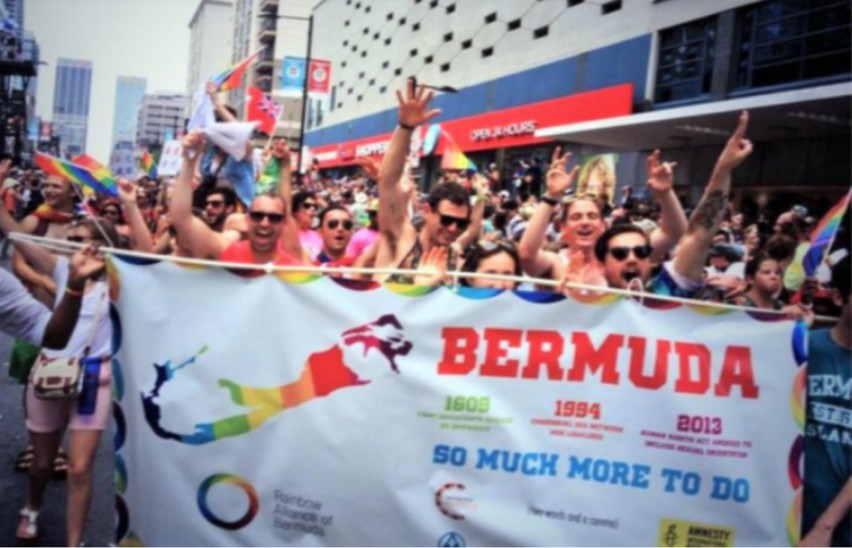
(101, 344)
(21, 316)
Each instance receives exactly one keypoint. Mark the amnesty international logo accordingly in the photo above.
(685, 533)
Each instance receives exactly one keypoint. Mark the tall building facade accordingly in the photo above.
(71, 96)
(129, 91)
(161, 118)
(605, 76)
(281, 28)
(15, 11)
(210, 41)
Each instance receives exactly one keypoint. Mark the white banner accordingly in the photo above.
(170, 159)
(298, 410)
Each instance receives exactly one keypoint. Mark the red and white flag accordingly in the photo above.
(262, 109)
(319, 77)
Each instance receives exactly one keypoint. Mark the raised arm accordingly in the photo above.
(392, 204)
(140, 236)
(290, 231)
(708, 214)
(201, 241)
(43, 262)
(84, 264)
(673, 222)
(534, 260)
(218, 106)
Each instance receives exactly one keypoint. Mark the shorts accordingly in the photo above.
(45, 416)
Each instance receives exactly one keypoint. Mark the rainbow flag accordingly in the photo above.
(824, 233)
(98, 170)
(76, 174)
(453, 158)
(146, 162)
(230, 78)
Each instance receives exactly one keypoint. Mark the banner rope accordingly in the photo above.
(269, 268)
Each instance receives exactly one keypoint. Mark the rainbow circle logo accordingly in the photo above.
(247, 488)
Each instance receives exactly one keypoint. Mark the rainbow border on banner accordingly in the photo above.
(798, 348)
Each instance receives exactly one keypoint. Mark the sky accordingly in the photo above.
(145, 38)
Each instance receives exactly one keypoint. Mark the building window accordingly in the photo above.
(372, 82)
(366, 30)
(360, 98)
(433, 4)
(364, 53)
(386, 64)
(361, 75)
(785, 41)
(488, 52)
(514, 25)
(451, 8)
(685, 62)
(333, 95)
(610, 7)
(397, 72)
(390, 16)
(402, 21)
(445, 67)
(572, 3)
(490, 18)
(428, 60)
(369, 8)
(448, 37)
(376, 36)
(467, 44)
(343, 64)
(415, 27)
(413, 52)
(387, 41)
(540, 32)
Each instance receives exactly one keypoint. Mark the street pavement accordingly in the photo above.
(13, 485)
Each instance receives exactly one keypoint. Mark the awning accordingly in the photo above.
(798, 114)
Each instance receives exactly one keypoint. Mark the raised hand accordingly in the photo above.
(370, 166)
(212, 90)
(412, 107)
(480, 184)
(558, 179)
(85, 264)
(738, 148)
(660, 174)
(583, 270)
(126, 191)
(433, 267)
(192, 142)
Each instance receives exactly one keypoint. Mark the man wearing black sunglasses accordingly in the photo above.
(625, 250)
(447, 212)
(336, 231)
(272, 234)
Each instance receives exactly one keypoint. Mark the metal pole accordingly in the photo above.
(305, 94)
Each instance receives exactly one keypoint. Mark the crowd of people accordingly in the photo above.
(573, 236)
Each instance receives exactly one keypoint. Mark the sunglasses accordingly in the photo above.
(621, 253)
(79, 239)
(309, 205)
(334, 223)
(488, 246)
(448, 221)
(214, 203)
(258, 216)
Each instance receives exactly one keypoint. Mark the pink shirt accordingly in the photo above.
(311, 242)
(361, 240)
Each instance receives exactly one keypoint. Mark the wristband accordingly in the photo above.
(549, 201)
(404, 126)
(73, 292)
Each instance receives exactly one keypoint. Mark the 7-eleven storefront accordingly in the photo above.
(503, 136)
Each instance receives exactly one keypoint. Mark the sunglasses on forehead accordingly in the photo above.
(621, 253)
(334, 223)
(448, 221)
(258, 216)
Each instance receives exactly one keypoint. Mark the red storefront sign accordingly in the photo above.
(512, 127)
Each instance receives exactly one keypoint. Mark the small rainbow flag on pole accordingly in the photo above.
(230, 78)
(146, 162)
(823, 235)
(453, 157)
(76, 174)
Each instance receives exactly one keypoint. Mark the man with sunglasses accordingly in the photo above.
(336, 232)
(446, 214)
(218, 205)
(272, 235)
(305, 211)
(626, 252)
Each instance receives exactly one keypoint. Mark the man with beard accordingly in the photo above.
(625, 250)
(218, 205)
(272, 234)
(335, 229)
